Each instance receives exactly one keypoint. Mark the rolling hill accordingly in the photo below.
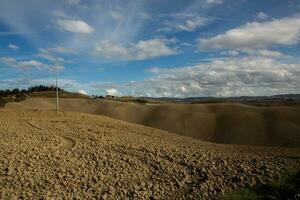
(67, 155)
(227, 123)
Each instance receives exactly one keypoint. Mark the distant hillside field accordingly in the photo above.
(62, 94)
(227, 123)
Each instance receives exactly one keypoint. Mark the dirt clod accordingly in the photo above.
(48, 156)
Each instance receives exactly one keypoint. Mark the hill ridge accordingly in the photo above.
(227, 123)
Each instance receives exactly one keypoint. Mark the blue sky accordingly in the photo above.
(153, 48)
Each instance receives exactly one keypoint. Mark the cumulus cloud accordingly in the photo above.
(57, 50)
(76, 26)
(116, 15)
(258, 52)
(25, 64)
(83, 92)
(184, 22)
(235, 76)
(72, 2)
(13, 47)
(50, 57)
(257, 35)
(262, 15)
(191, 25)
(176, 22)
(230, 53)
(52, 52)
(112, 91)
(214, 1)
(144, 49)
(266, 53)
(145, 16)
(60, 49)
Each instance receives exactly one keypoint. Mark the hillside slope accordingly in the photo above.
(62, 94)
(44, 155)
(221, 123)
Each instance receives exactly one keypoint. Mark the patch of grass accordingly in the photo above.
(245, 194)
(288, 187)
(140, 101)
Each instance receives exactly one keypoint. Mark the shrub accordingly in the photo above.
(20, 97)
(140, 100)
(288, 187)
(2, 103)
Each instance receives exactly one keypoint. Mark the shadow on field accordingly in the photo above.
(288, 187)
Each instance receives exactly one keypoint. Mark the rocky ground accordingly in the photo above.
(44, 155)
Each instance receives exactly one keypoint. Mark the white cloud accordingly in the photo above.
(13, 47)
(51, 57)
(230, 53)
(108, 49)
(28, 64)
(8, 61)
(152, 48)
(267, 53)
(116, 15)
(184, 22)
(192, 24)
(144, 49)
(257, 35)
(258, 52)
(262, 15)
(60, 14)
(72, 2)
(25, 64)
(76, 26)
(62, 50)
(145, 15)
(57, 49)
(235, 76)
(51, 53)
(214, 1)
(231, 77)
(83, 92)
(186, 44)
(112, 91)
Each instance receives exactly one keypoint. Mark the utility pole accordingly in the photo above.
(56, 87)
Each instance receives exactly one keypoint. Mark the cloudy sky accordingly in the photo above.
(154, 48)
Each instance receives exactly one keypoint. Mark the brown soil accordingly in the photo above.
(227, 123)
(52, 94)
(44, 155)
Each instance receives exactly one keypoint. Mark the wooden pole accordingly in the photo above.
(56, 87)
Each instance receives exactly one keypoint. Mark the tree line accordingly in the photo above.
(39, 88)
(20, 94)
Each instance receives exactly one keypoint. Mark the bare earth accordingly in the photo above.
(82, 156)
(226, 123)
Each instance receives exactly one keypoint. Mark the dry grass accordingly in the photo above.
(52, 94)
